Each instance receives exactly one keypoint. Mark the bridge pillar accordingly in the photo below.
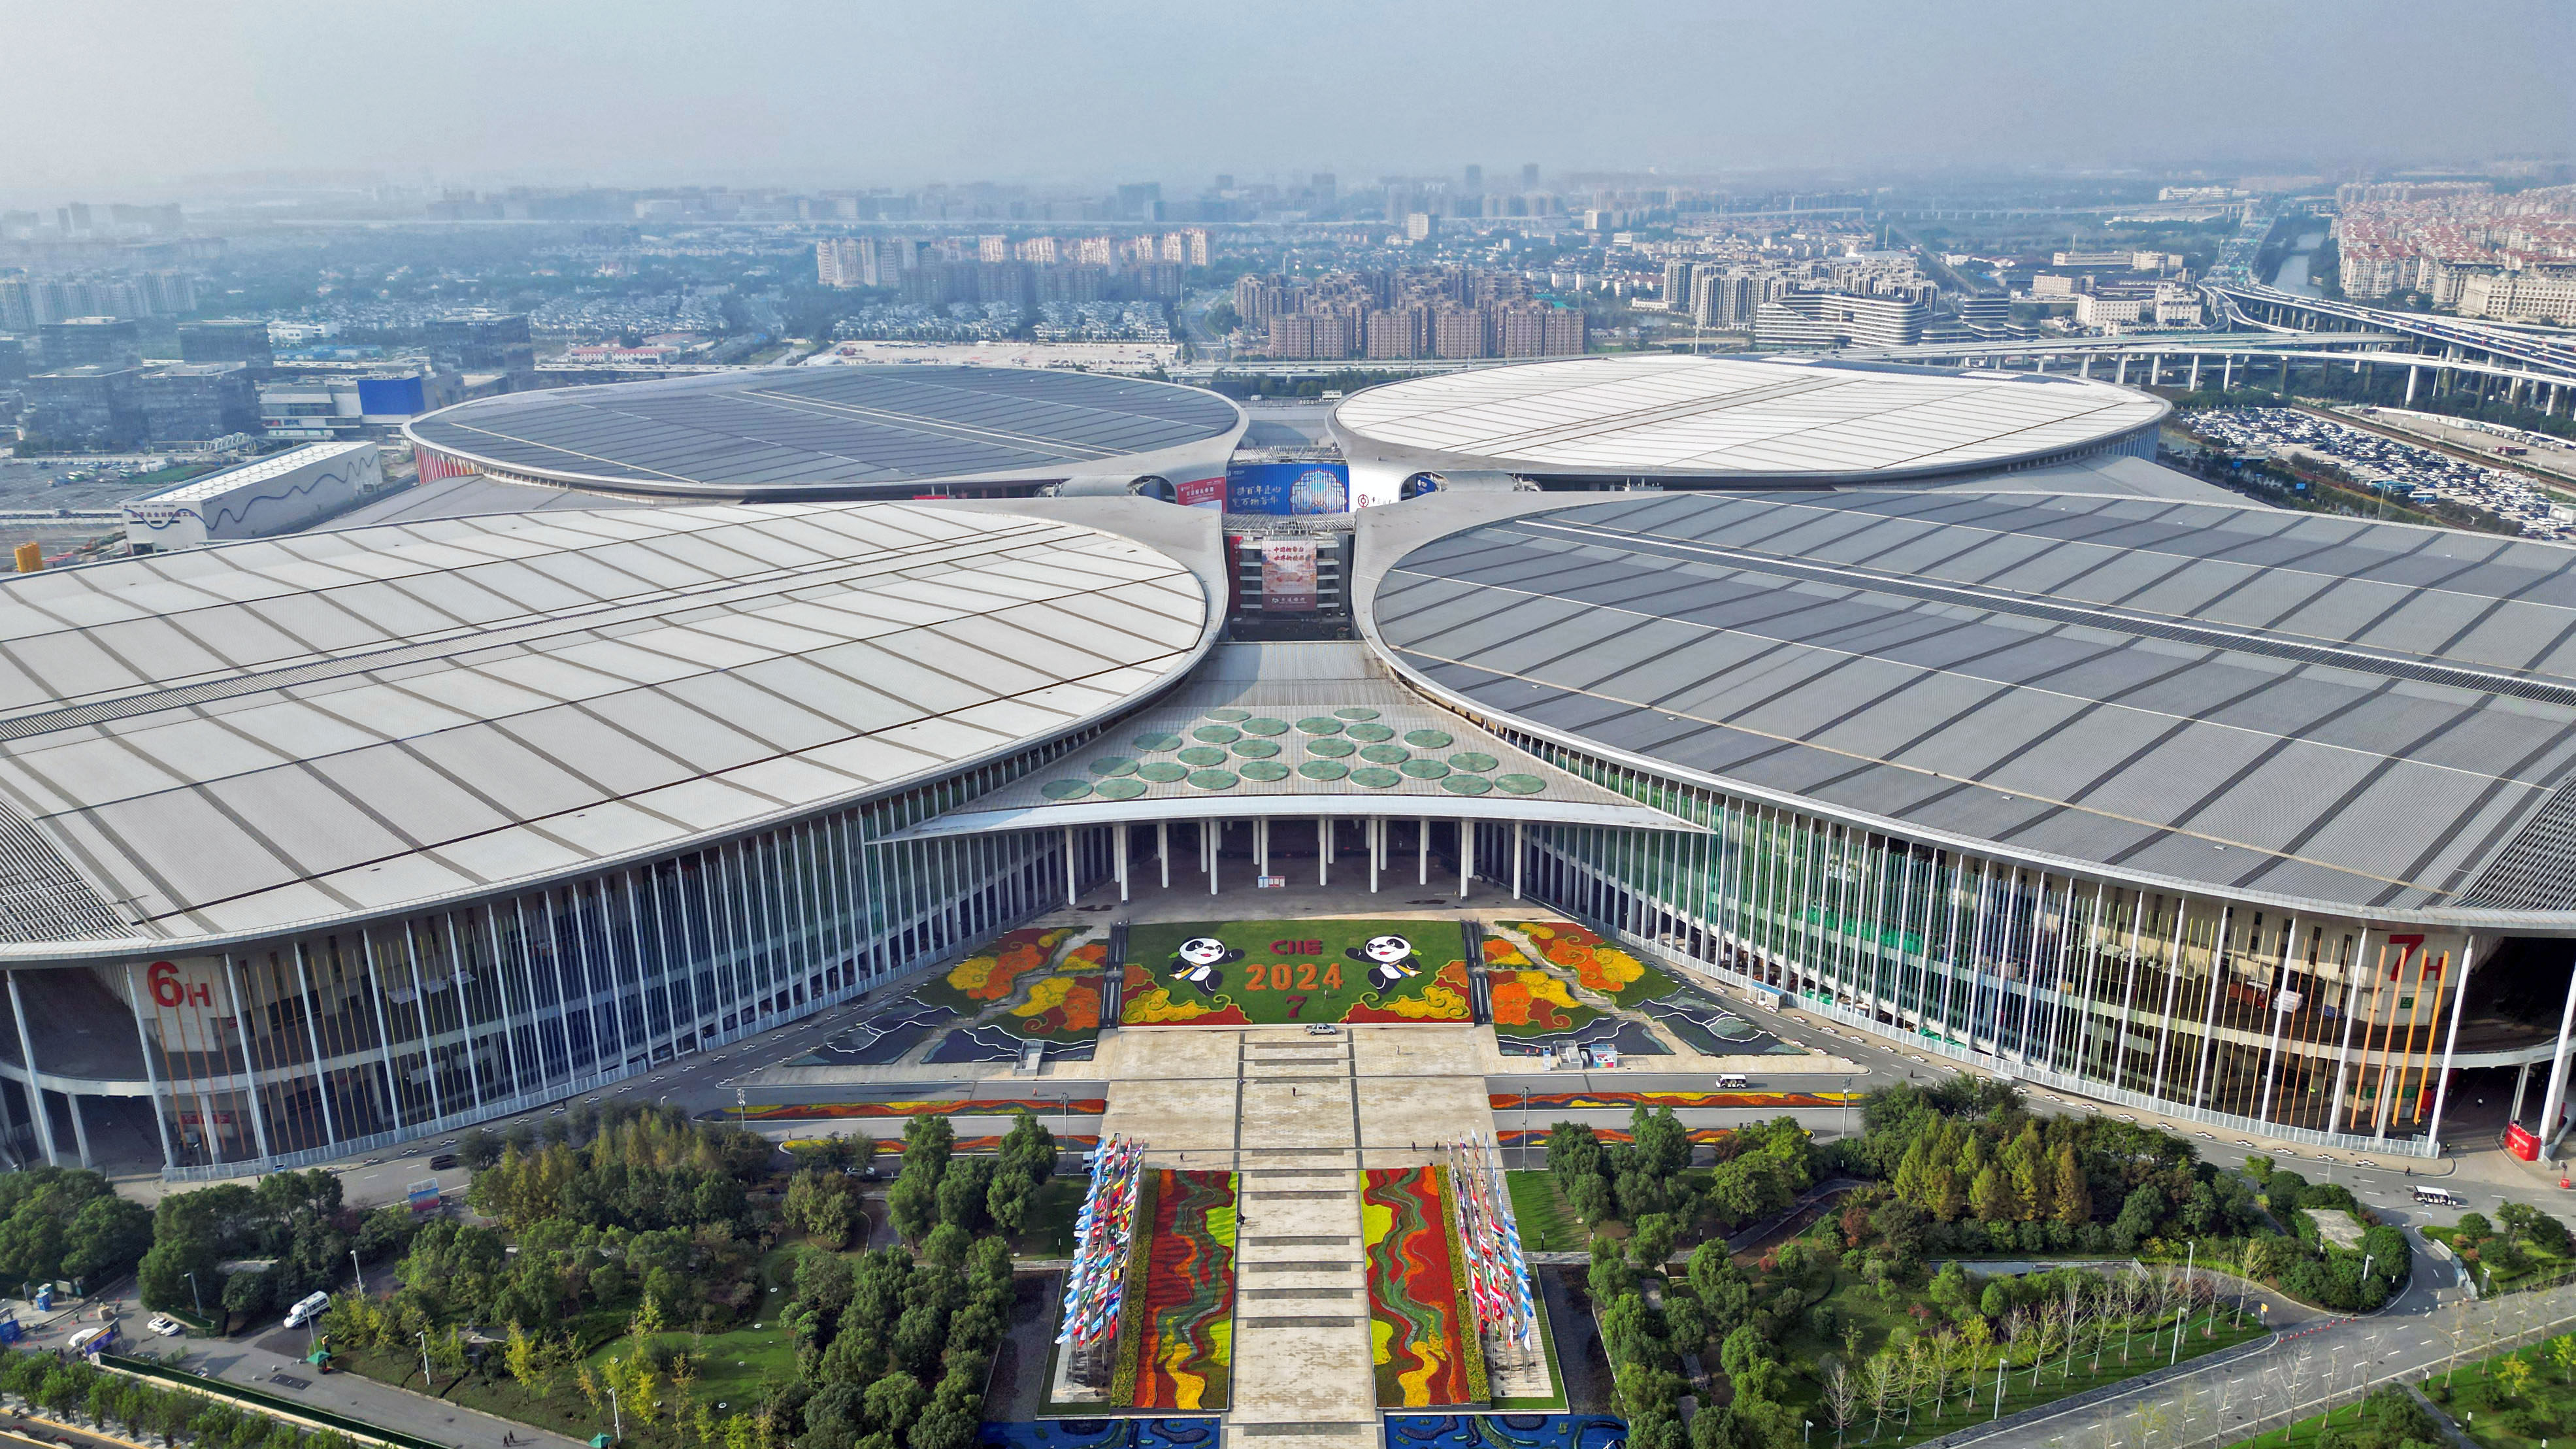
(2227, 372)
(2086, 368)
(2155, 368)
(2123, 373)
(2195, 372)
(2410, 385)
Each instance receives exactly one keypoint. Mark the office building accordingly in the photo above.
(227, 341)
(111, 342)
(482, 342)
(197, 402)
(93, 408)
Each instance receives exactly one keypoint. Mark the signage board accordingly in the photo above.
(1287, 576)
(1288, 489)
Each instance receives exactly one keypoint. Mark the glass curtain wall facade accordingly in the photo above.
(2329, 1030)
(335, 1042)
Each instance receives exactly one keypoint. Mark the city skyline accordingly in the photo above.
(149, 96)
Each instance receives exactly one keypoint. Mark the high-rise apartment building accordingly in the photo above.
(993, 249)
(1678, 273)
(1529, 176)
(1419, 226)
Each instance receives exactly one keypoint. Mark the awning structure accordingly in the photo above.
(1298, 731)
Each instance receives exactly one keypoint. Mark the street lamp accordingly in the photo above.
(361, 1270)
(193, 1295)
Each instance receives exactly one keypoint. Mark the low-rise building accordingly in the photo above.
(266, 496)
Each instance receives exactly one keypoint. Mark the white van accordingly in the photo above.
(308, 1308)
(2437, 1197)
(1733, 1082)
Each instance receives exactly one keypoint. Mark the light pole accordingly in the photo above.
(427, 1378)
(1847, 1106)
(361, 1270)
(194, 1296)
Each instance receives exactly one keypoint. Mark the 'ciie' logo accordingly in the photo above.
(169, 990)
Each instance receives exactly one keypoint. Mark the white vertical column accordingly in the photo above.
(1163, 850)
(1466, 856)
(1121, 862)
(2280, 1019)
(1520, 847)
(1376, 848)
(313, 1039)
(2450, 1043)
(1323, 850)
(36, 1094)
(2555, 1097)
(151, 1072)
(1422, 843)
(1069, 896)
(241, 1029)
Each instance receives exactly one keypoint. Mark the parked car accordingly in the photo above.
(164, 1325)
(442, 1162)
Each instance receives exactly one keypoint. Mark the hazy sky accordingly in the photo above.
(98, 96)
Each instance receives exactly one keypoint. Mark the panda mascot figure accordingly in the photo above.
(1197, 959)
(1390, 959)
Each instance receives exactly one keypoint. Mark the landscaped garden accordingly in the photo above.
(1865, 1313)
(629, 1284)
(1242, 973)
(2517, 1400)
(2520, 1247)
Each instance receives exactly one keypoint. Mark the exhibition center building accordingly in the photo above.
(1930, 702)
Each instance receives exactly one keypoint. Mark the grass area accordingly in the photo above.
(1279, 972)
(1547, 1225)
(737, 1367)
(2479, 1395)
(1048, 1232)
(2539, 1267)
(1876, 1319)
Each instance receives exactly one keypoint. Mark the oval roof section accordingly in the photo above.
(2239, 698)
(779, 432)
(1738, 418)
(268, 733)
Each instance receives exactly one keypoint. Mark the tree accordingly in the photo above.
(1652, 1241)
(1661, 1144)
(893, 1401)
(107, 1236)
(927, 1144)
(2074, 1195)
(913, 1203)
(1990, 1197)
(525, 1360)
(246, 1294)
(2513, 1375)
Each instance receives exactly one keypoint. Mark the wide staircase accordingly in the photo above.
(1302, 1373)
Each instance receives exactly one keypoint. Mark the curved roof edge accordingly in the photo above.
(1385, 538)
(1196, 534)
(1360, 446)
(1211, 451)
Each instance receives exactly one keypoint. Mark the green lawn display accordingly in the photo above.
(1247, 973)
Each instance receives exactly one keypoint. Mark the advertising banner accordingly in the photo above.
(1202, 493)
(1287, 576)
(1289, 489)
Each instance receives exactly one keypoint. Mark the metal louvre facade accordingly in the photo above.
(341, 1041)
(2319, 1030)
